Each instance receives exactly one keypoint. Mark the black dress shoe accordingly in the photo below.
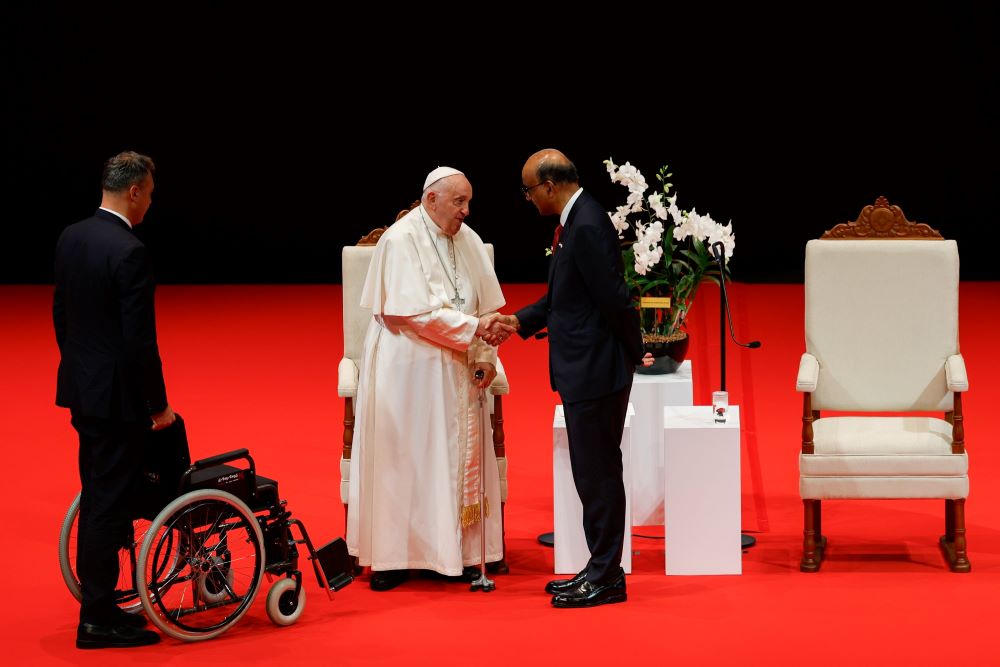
(589, 594)
(563, 585)
(89, 635)
(386, 580)
(136, 620)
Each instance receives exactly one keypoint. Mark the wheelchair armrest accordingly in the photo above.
(219, 459)
(347, 378)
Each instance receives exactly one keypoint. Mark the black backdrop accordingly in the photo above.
(283, 133)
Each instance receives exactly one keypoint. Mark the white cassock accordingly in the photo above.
(415, 458)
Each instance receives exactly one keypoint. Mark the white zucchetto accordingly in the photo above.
(439, 173)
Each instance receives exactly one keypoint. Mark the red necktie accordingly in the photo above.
(555, 237)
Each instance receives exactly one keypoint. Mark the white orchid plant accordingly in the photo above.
(670, 256)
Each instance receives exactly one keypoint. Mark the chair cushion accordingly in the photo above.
(882, 447)
(832, 488)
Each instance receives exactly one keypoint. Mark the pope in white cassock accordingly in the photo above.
(415, 469)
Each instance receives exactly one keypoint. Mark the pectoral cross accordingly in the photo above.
(457, 300)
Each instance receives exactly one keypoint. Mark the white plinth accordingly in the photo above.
(571, 552)
(702, 491)
(650, 393)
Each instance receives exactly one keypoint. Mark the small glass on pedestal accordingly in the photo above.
(720, 406)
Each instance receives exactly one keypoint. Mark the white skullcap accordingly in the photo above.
(439, 173)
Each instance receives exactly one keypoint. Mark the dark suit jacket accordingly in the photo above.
(105, 322)
(594, 336)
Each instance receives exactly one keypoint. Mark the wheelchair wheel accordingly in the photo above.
(127, 597)
(283, 606)
(202, 562)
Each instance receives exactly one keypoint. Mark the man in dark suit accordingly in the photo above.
(110, 378)
(594, 345)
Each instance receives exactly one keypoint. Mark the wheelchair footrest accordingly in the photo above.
(336, 563)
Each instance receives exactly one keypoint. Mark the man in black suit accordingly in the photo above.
(110, 378)
(594, 345)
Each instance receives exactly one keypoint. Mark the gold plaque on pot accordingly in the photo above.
(654, 301)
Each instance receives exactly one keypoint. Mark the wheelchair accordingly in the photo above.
(194, 564)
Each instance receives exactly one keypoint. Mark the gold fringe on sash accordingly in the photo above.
(471, 513)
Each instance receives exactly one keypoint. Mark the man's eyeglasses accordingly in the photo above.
(525, 189)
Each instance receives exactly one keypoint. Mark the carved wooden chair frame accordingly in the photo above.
(885, 221)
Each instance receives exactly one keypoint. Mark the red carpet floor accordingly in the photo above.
(255, 366)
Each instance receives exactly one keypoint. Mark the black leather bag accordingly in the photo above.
(165, 459)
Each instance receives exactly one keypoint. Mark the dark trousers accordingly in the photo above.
(594, 430)
(110, 469)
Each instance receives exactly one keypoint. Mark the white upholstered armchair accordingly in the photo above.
(881, 307)
(355, 260)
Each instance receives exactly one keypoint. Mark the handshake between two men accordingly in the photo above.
(494, 329)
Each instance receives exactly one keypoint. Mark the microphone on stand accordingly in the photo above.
(718, 254)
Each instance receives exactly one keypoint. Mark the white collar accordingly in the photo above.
(433, 226)
(565, 212)
(118, 214)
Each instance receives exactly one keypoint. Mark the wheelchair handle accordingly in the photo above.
(219, 459)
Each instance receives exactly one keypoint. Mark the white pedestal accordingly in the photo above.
(702, 491)
(650, 393)
(571, 552)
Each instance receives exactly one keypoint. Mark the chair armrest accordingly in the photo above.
(808, 373)
(502, 469)
(347, 378)
(954, 373)
(499, 386)
(345, 480)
